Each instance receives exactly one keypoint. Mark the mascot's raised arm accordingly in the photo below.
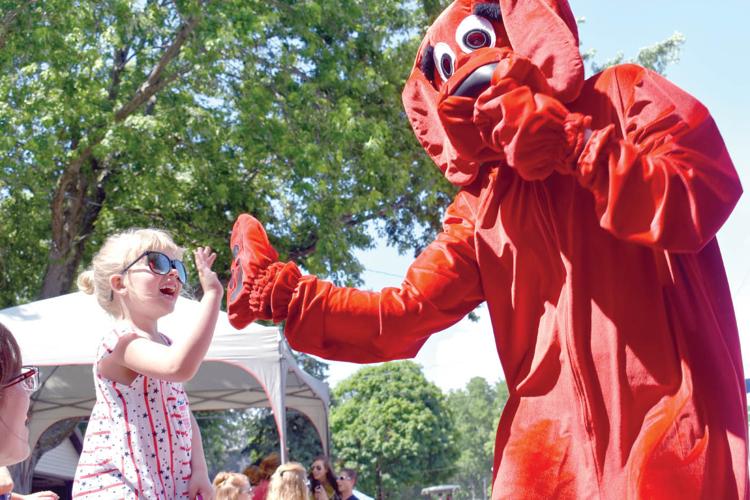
(586, 221)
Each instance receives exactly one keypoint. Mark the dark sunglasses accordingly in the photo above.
(29, 379)
(159, 263)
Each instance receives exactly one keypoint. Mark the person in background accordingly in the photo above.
(142, 440)
(288, 483)
(17, 383)
(346, 481)
(265, 470)
(232, 486)
(253, 474)
(323, 477)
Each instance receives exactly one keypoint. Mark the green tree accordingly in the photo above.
(183, 114)
(233, 439)
(394, 427)
(476, 410)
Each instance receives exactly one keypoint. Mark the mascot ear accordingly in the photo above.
(545, 31)
(421, 103)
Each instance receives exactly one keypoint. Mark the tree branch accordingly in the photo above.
(156, 79)
(155, 82)
(8, 19)
(347, 220)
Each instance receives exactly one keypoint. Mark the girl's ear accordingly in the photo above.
(117, 283)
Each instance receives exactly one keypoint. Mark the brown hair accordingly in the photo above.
(10, 356)
(269, 464)
(253, 473)
(351, 473)
(330, 477)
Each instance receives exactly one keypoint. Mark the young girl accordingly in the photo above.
(142, 440)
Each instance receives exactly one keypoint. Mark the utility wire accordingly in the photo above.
(384, 273)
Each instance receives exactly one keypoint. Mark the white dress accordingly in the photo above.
(138, 440)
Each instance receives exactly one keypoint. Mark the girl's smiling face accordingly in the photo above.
(147, 293)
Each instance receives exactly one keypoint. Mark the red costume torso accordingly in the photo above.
(611, 311)
(606, 290)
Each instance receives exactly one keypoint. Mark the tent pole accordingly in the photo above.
(282, 411)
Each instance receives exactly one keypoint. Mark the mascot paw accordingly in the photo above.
(254, 265)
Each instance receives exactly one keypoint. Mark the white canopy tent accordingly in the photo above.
(250, 368)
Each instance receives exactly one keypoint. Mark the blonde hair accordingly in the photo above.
(229, 485)
(116, 253)
(288, 483)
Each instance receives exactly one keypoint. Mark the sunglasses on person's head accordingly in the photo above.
(159, 263)
(29, 379)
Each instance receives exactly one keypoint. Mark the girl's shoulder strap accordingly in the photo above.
(109, 341)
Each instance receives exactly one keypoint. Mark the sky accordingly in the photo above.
(714, 67)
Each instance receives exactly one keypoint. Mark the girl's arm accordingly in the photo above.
(180, 361)
(40, 495)
(199, 483)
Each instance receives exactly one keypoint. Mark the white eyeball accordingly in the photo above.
(445, 60)
(475, 32)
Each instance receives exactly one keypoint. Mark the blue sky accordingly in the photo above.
(714, 67)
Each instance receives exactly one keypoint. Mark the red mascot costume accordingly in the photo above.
(586, 220)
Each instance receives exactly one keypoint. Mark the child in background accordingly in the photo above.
(288, 483)
(232, 486)
(142, 440)
(266, 468)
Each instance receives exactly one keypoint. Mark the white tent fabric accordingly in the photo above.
(251, 368)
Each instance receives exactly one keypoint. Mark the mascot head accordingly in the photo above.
(455, 64)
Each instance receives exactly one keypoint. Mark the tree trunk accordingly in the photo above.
(75, 207)
(80, 192)
(379, 482)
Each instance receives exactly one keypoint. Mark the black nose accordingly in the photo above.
(477, 82)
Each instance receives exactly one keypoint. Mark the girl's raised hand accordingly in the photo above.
(204, 259)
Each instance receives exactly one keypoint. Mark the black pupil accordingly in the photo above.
(446, 64)
(475, 39)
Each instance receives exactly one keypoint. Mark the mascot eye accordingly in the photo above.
(475, 32)
(444, 60)
(476, 39)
